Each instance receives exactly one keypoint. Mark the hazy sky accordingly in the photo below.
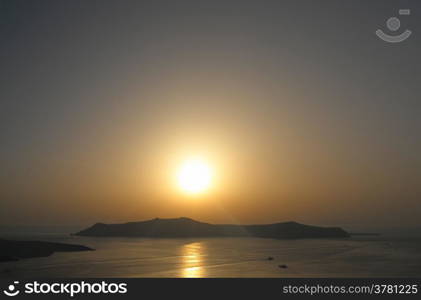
(301, 110)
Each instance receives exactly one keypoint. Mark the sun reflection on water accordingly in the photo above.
(192, 255)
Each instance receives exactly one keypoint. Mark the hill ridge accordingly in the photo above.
(187, 227)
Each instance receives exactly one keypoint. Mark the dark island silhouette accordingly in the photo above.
(16, 250)
(185, 227)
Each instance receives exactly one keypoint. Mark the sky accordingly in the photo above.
(302, 112)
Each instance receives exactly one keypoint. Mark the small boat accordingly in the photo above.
(283, 266)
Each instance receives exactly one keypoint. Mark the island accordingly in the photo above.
(11, 250)
(186, 227)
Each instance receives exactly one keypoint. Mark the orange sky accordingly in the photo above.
(100, 109)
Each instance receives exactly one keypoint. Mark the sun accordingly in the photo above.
(194, 176)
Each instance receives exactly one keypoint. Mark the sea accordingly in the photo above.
(360, 256)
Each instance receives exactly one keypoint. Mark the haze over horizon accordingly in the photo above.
(302, 115)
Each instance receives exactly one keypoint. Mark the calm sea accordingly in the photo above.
(225, 257)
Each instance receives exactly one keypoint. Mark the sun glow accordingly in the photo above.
(194, 176)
